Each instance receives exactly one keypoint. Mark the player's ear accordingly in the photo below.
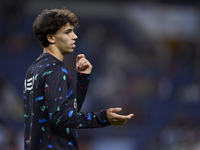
(50, 38)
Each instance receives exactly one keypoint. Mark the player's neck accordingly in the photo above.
(55, 52)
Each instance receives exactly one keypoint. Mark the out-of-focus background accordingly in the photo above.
(146, 59)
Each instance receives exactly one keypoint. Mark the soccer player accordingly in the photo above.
(51, 103)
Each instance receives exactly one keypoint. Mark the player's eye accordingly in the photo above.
(68, 31)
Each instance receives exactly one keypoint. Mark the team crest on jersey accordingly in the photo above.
(75, 103)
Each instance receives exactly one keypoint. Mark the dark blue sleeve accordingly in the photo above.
(81, 88)
(59, 98)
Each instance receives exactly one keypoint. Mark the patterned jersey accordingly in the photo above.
(52, 106)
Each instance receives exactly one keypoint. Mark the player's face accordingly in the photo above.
(65, 39)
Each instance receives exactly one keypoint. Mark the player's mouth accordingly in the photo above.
(73, 45)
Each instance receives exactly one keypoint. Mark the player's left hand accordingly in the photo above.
(116, 119)
(83, 65)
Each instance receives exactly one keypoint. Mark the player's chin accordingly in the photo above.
(69, 51)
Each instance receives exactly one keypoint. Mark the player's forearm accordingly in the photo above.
(81, 88)
(72, 119)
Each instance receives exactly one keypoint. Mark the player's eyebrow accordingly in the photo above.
(69, 29)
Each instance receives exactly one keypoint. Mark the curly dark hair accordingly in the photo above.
(50, 21)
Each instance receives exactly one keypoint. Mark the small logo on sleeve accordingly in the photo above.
(28, 84)
(75, 103)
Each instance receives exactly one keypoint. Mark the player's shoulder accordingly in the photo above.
(50, 63)
(46, 62)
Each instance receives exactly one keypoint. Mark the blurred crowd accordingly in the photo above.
(160, 86)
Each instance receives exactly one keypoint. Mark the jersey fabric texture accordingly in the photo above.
(52, 106)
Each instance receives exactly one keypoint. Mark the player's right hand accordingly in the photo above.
(83, 65)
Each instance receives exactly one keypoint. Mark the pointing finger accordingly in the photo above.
(115, 109)
(117, 116)
(130, 116)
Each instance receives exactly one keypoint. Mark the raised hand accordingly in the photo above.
(83, 65)
(116, 119)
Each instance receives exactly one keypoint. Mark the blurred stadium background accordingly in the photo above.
(146, 57)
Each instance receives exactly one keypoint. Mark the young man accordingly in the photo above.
(51, 103)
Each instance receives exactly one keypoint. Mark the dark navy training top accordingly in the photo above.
(52, 106)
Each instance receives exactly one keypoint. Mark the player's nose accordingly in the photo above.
(74, 37)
